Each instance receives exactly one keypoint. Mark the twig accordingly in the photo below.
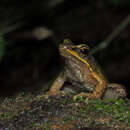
(108, 40)
(11, 28)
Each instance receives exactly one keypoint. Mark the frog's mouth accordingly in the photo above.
(73, 53)
(68, 52)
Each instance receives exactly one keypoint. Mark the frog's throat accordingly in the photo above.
(81, 59)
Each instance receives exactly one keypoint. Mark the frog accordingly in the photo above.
(81, 69)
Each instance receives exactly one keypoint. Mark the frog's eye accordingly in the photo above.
(84, 50)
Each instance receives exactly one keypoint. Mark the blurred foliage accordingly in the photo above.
(18, 11)
(2, 47)
(120, 2)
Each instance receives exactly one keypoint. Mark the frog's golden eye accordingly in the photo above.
(84, 50)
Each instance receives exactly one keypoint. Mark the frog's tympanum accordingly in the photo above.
(81, 69)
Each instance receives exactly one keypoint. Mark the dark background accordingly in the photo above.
(27, 63)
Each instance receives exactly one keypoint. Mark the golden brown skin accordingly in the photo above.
(81, 68)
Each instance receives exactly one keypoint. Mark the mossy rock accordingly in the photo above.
(64, 113)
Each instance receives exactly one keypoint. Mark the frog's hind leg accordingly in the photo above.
(98, 92)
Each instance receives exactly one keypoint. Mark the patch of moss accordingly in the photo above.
(41, 113)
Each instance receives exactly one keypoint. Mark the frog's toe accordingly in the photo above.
(53, 94)
(80, 95)
(87, 95)
(91, 96)
(50, 94)
(88, 98)
(45, 95)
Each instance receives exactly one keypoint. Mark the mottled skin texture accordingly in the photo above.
(81, 69)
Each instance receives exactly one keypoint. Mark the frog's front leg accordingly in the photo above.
(56, 86)
(98, 91)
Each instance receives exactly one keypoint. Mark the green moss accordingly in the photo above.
(64, 101)
(64, 110)
(7, 115)
(116, 109)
